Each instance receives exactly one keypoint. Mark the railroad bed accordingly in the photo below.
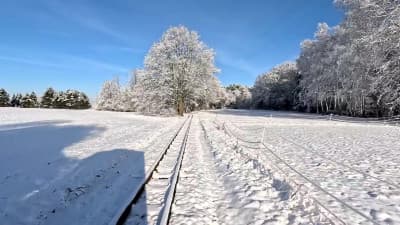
(151, 202)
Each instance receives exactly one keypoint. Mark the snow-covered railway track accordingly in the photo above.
(151, 201)
(374, 212)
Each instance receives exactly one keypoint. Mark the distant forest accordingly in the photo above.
(70, 99)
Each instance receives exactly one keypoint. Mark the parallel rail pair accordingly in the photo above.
(123, 213)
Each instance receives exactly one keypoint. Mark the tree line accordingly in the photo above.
(69, 99)
(350, 69)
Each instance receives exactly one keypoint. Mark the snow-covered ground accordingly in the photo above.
(221, 184)
(73, 167)
(351, 169)
(240, 167)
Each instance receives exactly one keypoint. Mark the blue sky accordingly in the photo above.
(81, 43)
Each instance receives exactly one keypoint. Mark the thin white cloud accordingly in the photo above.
(95, 63)
(33, 62)
(85, 17)
(238, 63)
(108, 48)
(68, 62)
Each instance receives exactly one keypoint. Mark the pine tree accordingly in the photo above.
(83, 101)
(16, 100)
(29, 101)
(48, 98)
(34, 99)
(59, 100)
(4, 98)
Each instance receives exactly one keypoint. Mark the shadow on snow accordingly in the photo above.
(40, 185)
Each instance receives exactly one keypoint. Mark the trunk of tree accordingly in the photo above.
(181, 106)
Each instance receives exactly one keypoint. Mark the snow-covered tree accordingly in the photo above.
(238, 96)
(16, 100)
(353, 68)
(29, 101)
(76, 100)
(4, 98)
(110, 96)
(277, 89)
(47, 100)
(176, 69)
(83, 101)
(59, 100)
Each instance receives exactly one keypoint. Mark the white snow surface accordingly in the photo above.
(350, 169)
(77, 167)
(74, 167)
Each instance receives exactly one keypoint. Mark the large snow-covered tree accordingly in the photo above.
(178, 70)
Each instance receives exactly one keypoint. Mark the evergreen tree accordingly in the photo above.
(4, 98)
(29, 101)
(34, 99)
(16, 100)
(71, 98)
(59, 100)
(48, 98)
(83, 101)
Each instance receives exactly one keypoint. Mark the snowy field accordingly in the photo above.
(73, 167)
(240, 167)
(350, 170)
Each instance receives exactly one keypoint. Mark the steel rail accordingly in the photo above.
(123, 213)
(166, 211)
